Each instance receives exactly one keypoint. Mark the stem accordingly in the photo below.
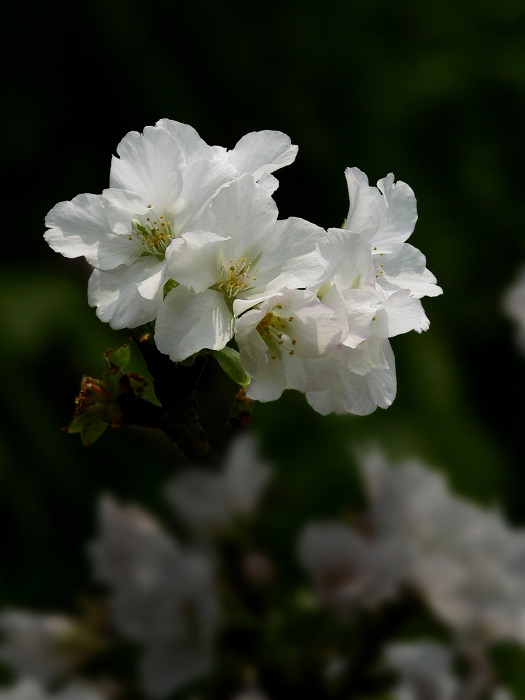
(175, 386)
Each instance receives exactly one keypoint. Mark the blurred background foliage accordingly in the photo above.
(432, 90)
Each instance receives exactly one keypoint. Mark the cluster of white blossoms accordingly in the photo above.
(27, 689)
(465, 561)
(188, 236)
(426, 672)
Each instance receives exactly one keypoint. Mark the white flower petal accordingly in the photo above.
(400, 313)
(268, 182)
(399, 217)
(194, 260)
(202, 179)
(348, 392)
(150, 164)
(349, 257)
(245, 213)
(191, 144)
(262, 152)
(405, 268)
(189, 322)
(116, 293)
(80, 227)
(364, 213)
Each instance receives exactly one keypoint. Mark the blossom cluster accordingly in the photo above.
(176, 596)
(188, 236)
(462, 560)
(162, 593)
(466, 562)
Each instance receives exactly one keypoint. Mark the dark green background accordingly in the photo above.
(433, 91)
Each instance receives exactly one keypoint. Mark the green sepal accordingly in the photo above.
(230, 361)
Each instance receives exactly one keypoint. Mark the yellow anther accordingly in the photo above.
(149, 206)
(279, 306)
(292, 352)
(294, 341)
(273, 357)
(290, 318)
(373, 318)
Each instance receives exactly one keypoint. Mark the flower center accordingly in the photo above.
(236, 277)
(153, 232)
(276, 333)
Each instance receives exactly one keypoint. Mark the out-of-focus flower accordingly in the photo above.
(239, 255)
(27, 689)
(162, 596)
(207, 500)
(349, 571)
(466, 561)
(514, 307)
(40, 647)
(425, 670)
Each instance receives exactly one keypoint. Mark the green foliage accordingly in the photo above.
(230, 362)
(97, 404)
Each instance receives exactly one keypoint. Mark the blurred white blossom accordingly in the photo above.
(162, 596)
(514, 307)
(348, 570)
(206, 499)
(425, 670)
(27, 689)
(39, 647)
(464, 559)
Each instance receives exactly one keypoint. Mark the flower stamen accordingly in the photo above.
(236, 277)
(275, 333)
(154, 236)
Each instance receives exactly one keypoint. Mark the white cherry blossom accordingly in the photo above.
(242, 255)
(359, 374)
(162, 596)
(208, 500)
(348, 570)
(26, 689)
(466, 561)
(277, 339)
(425, 668)
(385, 216)
(155, 192)
(37, 646)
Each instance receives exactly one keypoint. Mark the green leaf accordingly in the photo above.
(230, 361)
(168, 286)
(120, 357)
